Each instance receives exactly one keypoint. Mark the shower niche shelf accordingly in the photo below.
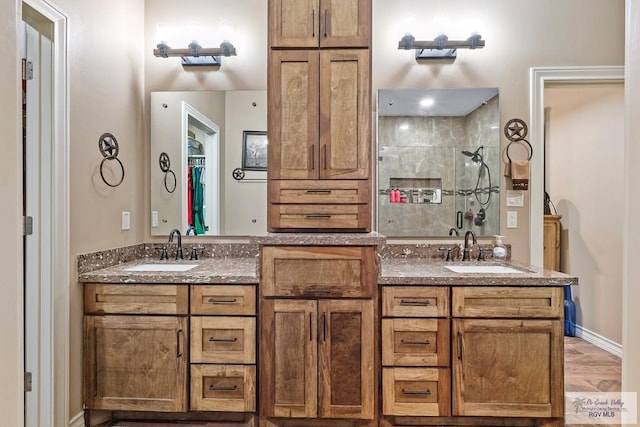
(417, 190)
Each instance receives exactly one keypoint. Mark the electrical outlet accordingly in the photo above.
(512, 219)
(126, 220)
(154, 218)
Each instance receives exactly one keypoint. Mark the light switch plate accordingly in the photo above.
(154, 218)
(512, 219)
(126, 220)
(515, 198)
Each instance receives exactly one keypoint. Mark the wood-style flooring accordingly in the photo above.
(587, 368)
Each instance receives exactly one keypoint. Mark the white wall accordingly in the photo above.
(585, 168)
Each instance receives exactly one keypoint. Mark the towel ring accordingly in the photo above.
(102, 173)
(529, 150)
(175, 181)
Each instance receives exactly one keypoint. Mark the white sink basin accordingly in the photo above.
(488, 269)
(161, 267)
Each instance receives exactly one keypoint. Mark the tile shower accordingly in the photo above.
(421, 150)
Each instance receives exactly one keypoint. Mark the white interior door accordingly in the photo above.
(38, 63)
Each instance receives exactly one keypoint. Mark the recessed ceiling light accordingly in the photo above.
(427, 102)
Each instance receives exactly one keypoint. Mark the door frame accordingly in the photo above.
(54, 338)
(538, 78)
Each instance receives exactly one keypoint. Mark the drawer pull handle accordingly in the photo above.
(317, 192)
(316, 292)
(222, 301)
(422, 392)
(212, 339)
(412, 302)
(214, 388)
(318, 216)
(425, 342)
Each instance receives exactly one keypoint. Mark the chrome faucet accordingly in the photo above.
(453, 231)
(467, 248)
(190, 230)
(179, 248)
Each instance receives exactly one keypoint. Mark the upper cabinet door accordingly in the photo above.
(293, 114)
(314, 23)
(345, 119)
(294, 23)
(345, 23)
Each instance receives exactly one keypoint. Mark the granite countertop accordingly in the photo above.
(418, 271)
(394, 271)
(207, 270)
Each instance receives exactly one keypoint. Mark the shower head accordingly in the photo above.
(476, 156)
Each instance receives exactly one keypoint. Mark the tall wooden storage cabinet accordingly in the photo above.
(319, 116)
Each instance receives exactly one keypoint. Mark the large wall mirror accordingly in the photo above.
(438, 162)
(200, 181)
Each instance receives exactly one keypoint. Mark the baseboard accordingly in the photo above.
(599, 341)
(77, 421)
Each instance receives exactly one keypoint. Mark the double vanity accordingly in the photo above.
(321, 329)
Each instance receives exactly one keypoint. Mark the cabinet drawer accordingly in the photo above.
(223, 300)
(223, 339)
(226, 388)
(319, 271)
(416, 392)
(507, 302)
(319, 217)
(319, 192)
(415, 301)
(415, 342)
(135, 299)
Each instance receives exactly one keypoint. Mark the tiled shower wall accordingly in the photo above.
(430, 147)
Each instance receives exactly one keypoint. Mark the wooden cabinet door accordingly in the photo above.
(289, 359)
(507, 368)
(346, 341)
(345, 117)
(313, 23)
(294, 23)
(293, 114)
(135, 363)
(345, 23)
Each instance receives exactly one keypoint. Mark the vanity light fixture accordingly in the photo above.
(441, 47)
(196, 55)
